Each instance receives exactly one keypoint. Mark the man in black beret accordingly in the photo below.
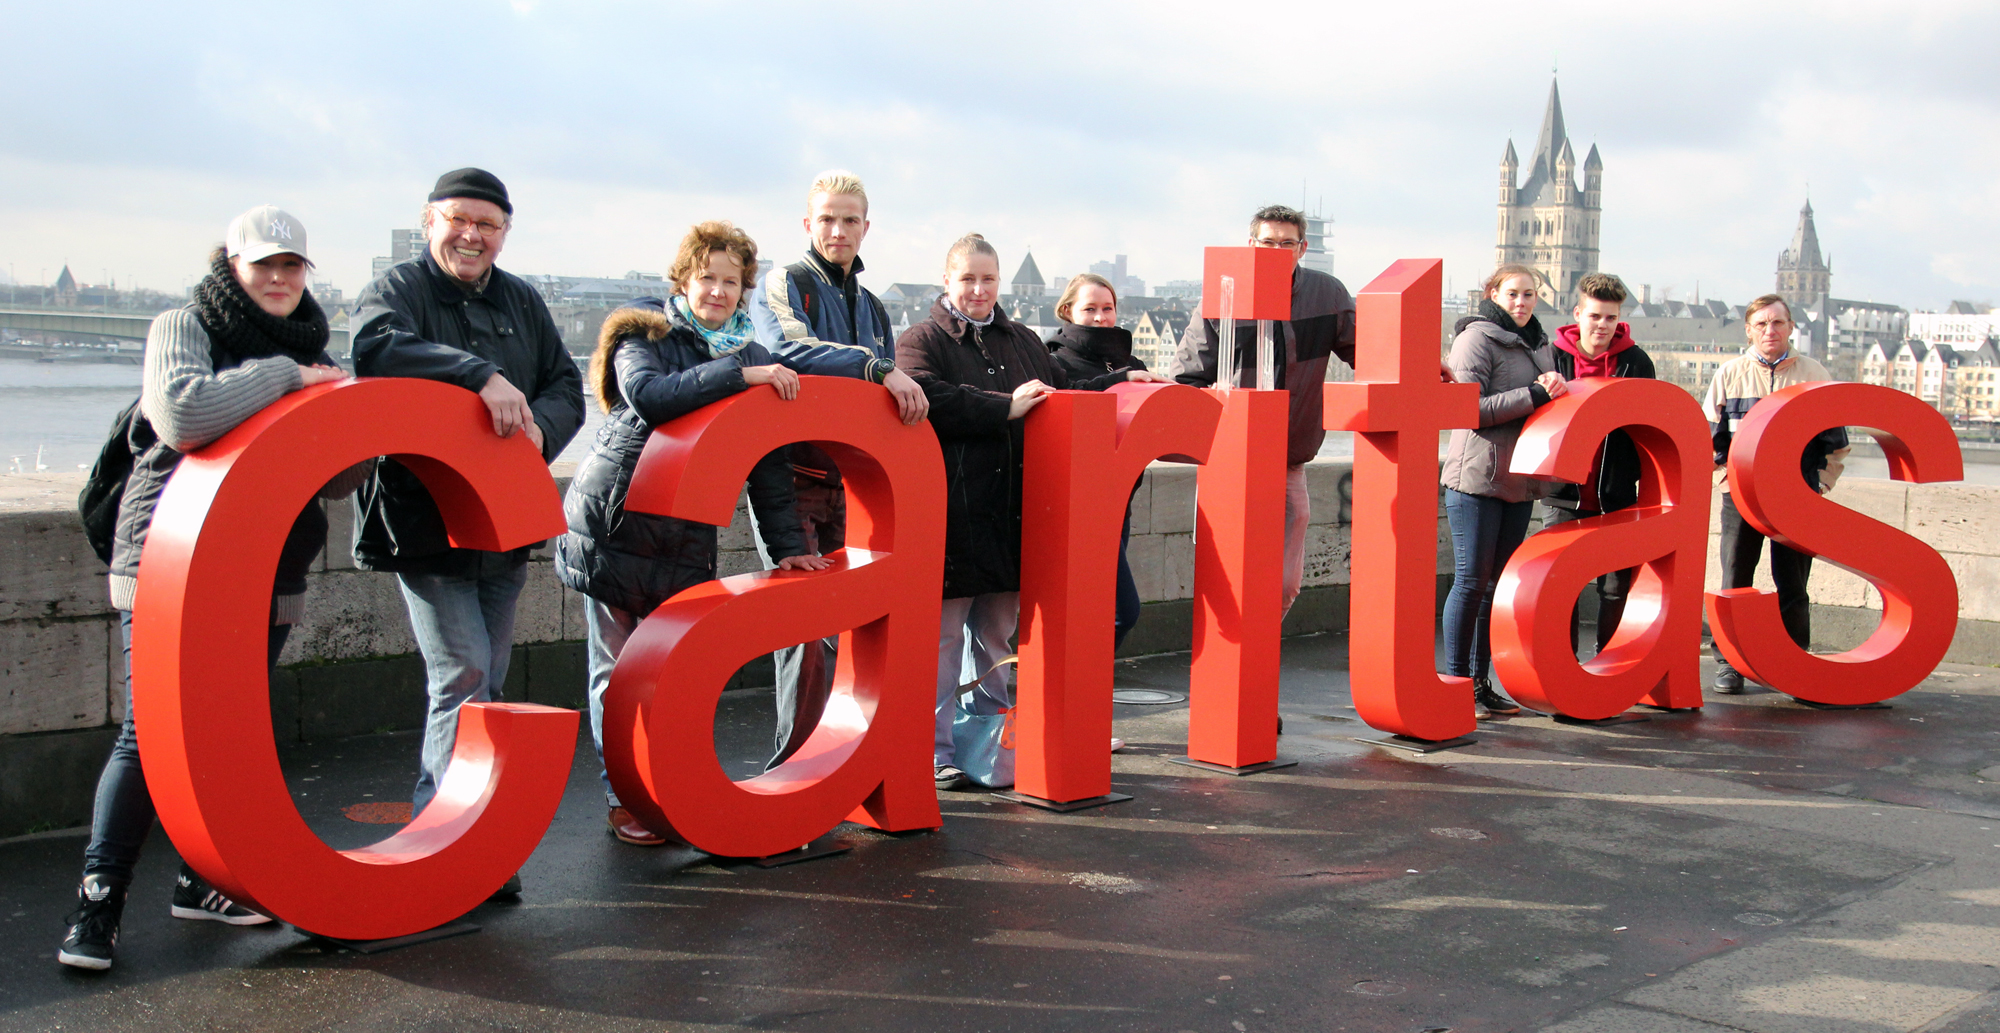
(450, 315)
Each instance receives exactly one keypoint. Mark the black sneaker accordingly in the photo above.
(1728, 681)
(509, 890)
(949, 777)
(194, 898)
(93, 931)
(1484, 696)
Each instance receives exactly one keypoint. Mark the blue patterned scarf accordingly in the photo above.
(733, 337)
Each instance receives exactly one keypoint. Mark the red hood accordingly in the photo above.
(1567, 337)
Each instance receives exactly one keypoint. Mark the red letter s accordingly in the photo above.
(1919, 593)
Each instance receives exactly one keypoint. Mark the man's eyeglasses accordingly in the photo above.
(1277, 242)
(486, 227)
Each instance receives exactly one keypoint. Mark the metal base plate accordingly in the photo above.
(1414, 745)
(824, 846)
(1062, 808)
(1247, 769)
(392, 943)
(1615, 719)
(1841, 706)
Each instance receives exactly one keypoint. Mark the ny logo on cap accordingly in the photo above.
(280, 230)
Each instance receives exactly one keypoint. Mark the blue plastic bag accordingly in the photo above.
(982, 735)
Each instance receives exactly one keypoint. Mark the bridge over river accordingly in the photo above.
(107, 324)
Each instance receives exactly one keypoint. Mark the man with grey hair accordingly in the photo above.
(450, 315)
(816, 315)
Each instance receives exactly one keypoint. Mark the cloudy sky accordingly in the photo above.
(135, 131)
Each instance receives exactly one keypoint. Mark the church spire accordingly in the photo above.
(1804, 254)
(1554, 135)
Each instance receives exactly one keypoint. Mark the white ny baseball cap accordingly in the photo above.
(264, 231)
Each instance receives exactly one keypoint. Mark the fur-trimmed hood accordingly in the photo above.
(648, 317)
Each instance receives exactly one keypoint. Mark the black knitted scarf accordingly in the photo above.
(1532, 335)
(238, 330)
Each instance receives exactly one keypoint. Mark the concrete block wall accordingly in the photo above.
(351, 667)
(1960, 521)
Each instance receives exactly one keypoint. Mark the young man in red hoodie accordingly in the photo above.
(1598, 345)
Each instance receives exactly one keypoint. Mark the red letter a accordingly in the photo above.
(1655, 655)
(869, 759)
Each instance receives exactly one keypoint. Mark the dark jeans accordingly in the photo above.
(1743, 546)
(124, 812)
(804, 673)
(1485, 531)
(1128, 590)
(1612, 588)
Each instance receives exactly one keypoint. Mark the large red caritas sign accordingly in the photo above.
(201, 699)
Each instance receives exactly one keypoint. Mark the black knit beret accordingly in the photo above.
(478, 184)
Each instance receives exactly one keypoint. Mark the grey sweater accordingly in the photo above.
(190, 405)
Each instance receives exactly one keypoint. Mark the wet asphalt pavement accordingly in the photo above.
(1550, 874)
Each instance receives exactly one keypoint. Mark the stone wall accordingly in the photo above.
(351, 667)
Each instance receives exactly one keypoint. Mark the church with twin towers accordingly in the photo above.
(1546, 222)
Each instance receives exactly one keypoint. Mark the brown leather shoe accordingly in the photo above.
(628, 830)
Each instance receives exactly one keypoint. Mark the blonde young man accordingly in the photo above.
(817, 316)
(1768, 366)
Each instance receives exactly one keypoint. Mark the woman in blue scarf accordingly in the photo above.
(655, 362)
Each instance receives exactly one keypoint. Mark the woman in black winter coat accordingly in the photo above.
(982, 373)
(1091, 344)
(655, 362)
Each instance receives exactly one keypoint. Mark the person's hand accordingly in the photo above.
(1026, 397)
(506, 403)
(786, 381)
(912, 405)
(534, 433)
(1445, 375)
(809, 561)
(1553, 383)
(310, 375)
(1145, 376)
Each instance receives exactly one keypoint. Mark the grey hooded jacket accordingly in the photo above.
(1499, 360)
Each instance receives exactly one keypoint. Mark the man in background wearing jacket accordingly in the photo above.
(1598, 345)
(1767, 367)
(1322, 324)
(817, 315)
(449, 315)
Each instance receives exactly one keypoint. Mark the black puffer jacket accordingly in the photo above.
(636, 561)
(416, 320)
(1617, 466)
(1089, 352)
(969, 373)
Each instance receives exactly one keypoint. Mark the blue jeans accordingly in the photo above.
(610, 628)
(1485, 531)
(972, 639)
(123, 814)
(464, 627)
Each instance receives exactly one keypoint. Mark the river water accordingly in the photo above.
(60, 411)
